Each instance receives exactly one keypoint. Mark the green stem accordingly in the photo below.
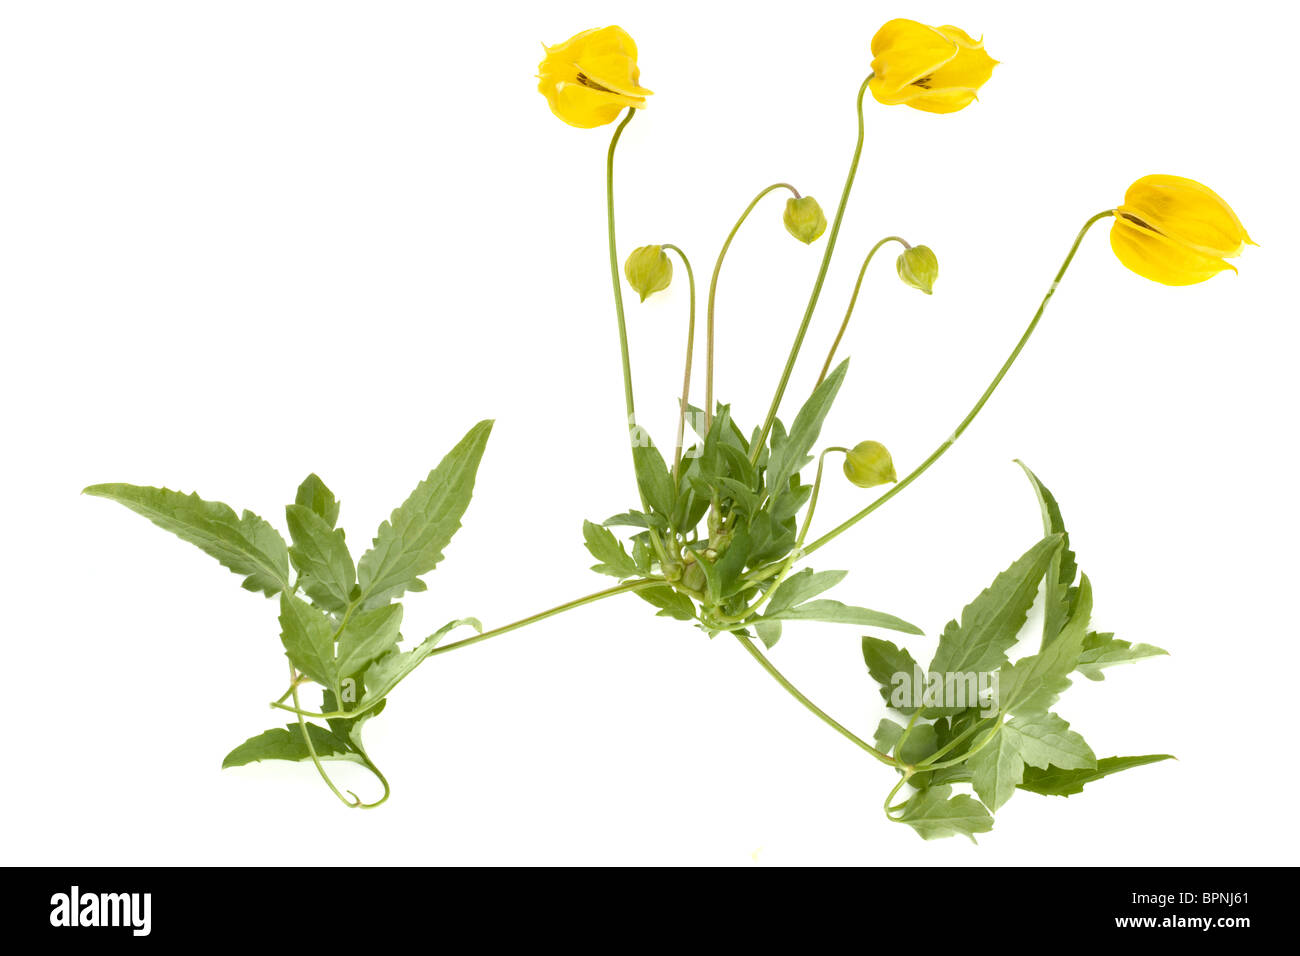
(853, 300)
(713, 290)
(817, 286)
(306, 739)
(983, 399)
(794, 692)
(625, 588)
(690, 355)
(616, 279)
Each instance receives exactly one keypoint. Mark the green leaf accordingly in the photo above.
(933, 813)
(609, 551)
(1032, 684)
(1105, 650)
(836, 613)
(671, 603)
(801, 586)
(410, 543)
(1063, 569)
(308, 637)
(1054, 782)
(653, 478)
(1045, 740)
(769, 632)
(282, 743)
(996, 769)
(243, 543)
(387, 672)
(636, 519)
(888, 734)
(920, 743)
(315, 497)
(990, 623)
(884, 661)
(368, 636)
(321, 556)
(790, 455)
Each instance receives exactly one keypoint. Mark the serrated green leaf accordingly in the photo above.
(652, 477)
(990, 623)
(1032, 684)
(801, 586)
(835, 612)
(1106, 650)
(410, 543)
(885, 660)
(609, 551)
(789, 454)
(1063, 568)
(996, 769)
(321, 557)
(244, 543)
(316, 497)
(671, 603)
(887, 735)
(308, 638)
(934, 813)
(281, 743)
(635, 519)
(368, 636)
(1045, 740)
(391, 669)
(1054, 782)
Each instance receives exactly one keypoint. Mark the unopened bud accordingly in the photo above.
(918, 266)
(869, 464)
(648, 270)
(804, 219)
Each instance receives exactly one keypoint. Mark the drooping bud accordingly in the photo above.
(869, 464)
(648, 270)
(918, 266)
(804, 219)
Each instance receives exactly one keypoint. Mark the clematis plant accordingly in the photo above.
(722, 527)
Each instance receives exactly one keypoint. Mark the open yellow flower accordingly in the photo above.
(935, 69)
(592, 77)
(1176, 231)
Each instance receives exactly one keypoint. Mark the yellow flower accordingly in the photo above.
(935, 69)
(591, 77)
(1175, 231)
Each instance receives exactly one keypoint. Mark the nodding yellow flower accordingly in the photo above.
(1176, 231)
(591, 77)
(935, 69)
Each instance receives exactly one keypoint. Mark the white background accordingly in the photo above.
(240, 242)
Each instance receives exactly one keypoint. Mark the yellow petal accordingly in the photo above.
(971, 68)
(583, 106)
(904, 51)
(1159, 258)
(590, 78)
(1187, 212)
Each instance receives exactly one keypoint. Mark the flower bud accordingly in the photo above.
(648, 270)
(869, 464)
(918, 266)
(804, 219)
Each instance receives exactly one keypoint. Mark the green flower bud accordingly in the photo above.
(918, 266)
(648, 270)
(804, 219)
(869, 464)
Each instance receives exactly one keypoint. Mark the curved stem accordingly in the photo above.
(817, 286)
(970, 416)
(311, 749)
(713, 290)
(624, 588)
(853, 300)
(690, 354)
(794, 692)
(614, 276)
